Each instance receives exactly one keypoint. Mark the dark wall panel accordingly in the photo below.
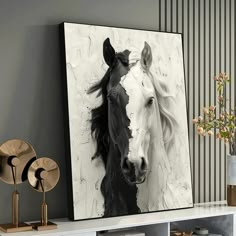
(209, 48)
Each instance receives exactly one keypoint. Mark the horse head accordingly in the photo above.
(118, 122)
(124, 119)
(130, 109)
(140, 111)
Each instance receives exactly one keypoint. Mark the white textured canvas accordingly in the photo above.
(168, 182)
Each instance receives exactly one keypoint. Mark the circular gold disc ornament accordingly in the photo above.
(43, 174)
(15, 158)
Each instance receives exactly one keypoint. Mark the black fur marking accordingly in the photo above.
(112, 137)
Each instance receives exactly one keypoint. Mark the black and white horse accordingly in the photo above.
(126, 125)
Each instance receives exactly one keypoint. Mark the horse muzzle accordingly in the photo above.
(133, 180)
(134, 173)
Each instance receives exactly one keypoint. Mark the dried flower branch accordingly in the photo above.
(220, 119)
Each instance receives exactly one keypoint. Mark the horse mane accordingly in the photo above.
(99, 120)
(165, 101)
(166, 104)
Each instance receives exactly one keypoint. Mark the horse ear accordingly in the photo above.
(109, 53)
(146, 56)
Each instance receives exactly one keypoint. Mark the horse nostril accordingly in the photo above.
(143, 166)
(126, 165)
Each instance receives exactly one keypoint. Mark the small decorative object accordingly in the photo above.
(222, 119)
(43, 176)
(127, 139)
(15, 158)
(199, 231)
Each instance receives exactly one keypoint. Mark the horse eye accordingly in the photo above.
(150, 101)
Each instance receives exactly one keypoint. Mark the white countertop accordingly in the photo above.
(202, 210)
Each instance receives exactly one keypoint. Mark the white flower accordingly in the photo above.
(209, 132)
(200, 118)
(205, 110)
(212, 108)
(200, 130)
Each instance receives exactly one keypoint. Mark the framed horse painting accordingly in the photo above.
(128, 148)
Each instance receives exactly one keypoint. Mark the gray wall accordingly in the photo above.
(30, 85)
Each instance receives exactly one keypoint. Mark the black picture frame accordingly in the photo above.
(67, 127)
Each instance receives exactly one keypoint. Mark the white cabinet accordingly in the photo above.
(216, 216)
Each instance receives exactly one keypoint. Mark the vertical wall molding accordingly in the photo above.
(209, 35)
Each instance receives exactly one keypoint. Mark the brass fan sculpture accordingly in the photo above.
(15, 159)
(43, 176)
